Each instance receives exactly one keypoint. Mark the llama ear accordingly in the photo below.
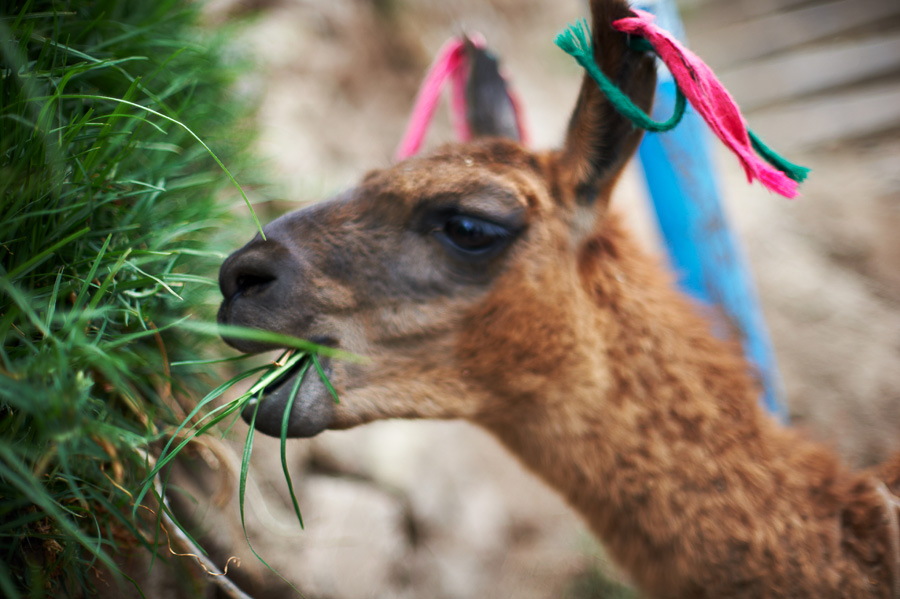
(490, 108)
(599, 140)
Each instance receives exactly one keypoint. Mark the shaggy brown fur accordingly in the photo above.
(561, 337)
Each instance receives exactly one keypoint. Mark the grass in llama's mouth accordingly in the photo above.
(287, 370)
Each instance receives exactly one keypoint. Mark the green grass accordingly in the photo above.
(111, 211)
(207, 416)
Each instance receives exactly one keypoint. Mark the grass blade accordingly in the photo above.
(325, 381)
(276, 340)
(79, 300)
(242, 493)
(295, 390)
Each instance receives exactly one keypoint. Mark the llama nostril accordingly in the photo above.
(253, 269)
(250, 283)
(243, 275)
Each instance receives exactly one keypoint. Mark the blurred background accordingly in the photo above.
(438, 509)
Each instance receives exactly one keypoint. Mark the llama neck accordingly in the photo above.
(692, 489)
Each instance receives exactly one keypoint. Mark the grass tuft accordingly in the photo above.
(115, 126)
(202, 419)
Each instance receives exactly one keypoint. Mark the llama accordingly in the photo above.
(490, 283)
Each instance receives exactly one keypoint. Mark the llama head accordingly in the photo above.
(455, 274)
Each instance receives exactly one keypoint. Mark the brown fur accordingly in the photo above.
(571, 346)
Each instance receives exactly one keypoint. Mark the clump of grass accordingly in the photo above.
(292, 361)
(302, 357)
(109, 210)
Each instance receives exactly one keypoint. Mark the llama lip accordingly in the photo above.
(312, 409)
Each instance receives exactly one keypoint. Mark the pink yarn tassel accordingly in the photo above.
(710, 98)
(451, 64)
(449, 59)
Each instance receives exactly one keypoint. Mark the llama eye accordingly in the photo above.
(473, 235)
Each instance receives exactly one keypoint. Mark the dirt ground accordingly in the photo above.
(427, 509)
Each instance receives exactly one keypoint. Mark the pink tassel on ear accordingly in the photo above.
(449, 60)
(710, 98)
(451, 64)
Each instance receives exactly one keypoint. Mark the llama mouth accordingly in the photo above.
(288, 376)
(312, 409)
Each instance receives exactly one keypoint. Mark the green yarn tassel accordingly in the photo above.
(576, 41)
(792, 171)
